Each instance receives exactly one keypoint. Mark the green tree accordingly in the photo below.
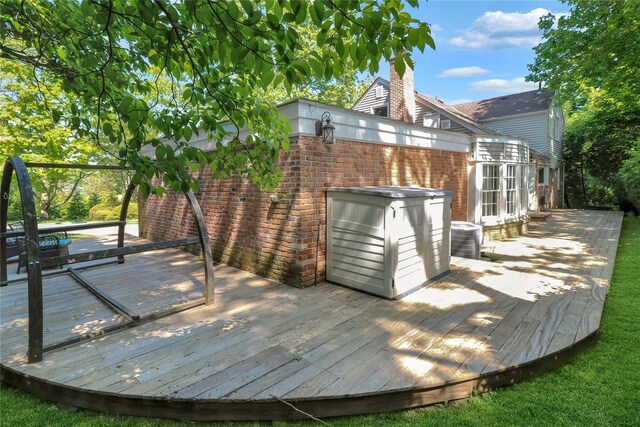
(218, 56)
(343, 90)
(76, 208)
(589, 58)
(27, 130)
(92, 200)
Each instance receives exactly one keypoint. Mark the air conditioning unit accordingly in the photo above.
(445, 124)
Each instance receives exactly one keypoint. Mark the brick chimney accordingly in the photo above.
(402, 94)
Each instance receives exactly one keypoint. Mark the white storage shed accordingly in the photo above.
(387, 240)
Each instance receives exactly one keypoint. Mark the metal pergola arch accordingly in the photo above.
(35, 262)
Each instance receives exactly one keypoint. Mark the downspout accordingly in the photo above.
(315, 279)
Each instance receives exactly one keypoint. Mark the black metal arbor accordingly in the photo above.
(35, 262)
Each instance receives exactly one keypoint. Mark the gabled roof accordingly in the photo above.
(384, 82)
(446, 110)
(507, 105)
(453, 113)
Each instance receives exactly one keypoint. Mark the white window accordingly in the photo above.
(379, 92)
(490, 190)
(510, 184)
(543, 175)
(445, 124)
(382, 110)
(431, 120)
(524, 188)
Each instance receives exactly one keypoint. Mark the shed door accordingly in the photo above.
(410, 230)
(438, 248)
(356, 244)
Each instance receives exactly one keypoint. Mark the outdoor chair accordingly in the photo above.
(12, 246)
(50, 245)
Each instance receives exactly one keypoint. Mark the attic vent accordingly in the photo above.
(445, 124)
(378, 91)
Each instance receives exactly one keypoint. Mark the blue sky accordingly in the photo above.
(482, 47)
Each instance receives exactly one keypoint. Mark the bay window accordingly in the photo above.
(490, 189)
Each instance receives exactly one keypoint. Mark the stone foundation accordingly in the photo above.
(505, 231)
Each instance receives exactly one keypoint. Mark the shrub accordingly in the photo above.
(92, 200)
(629, 178)
(76, 209)
(102, 212)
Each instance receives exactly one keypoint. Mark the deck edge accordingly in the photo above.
(274, 409)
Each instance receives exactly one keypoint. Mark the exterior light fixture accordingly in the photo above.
(325, 129)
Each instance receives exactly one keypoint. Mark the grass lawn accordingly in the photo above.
(601, 387)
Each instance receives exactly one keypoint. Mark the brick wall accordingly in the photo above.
(551, 194)
(278, 239)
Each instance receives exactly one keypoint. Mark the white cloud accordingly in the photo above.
(503, 85)
(435, 28)
(464, 72)
(495, 30)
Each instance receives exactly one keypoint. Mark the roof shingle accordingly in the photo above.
(508, 105)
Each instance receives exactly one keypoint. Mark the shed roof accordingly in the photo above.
(393, 192)
(507, 105)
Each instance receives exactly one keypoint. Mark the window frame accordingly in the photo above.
(496, 191)
(431, 116)
(524, 187)
(511, 189)
(374, 107)
(544, 175)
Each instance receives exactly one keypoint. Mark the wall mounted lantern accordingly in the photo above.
(325, 129)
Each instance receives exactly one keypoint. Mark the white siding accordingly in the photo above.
(422, 110)
(357, 244)
(556, 131)
(369, 100)
(533, 127)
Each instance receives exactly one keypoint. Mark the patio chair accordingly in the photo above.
(50, 245)
(12, 247)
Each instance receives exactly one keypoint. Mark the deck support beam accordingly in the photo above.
(103, 296)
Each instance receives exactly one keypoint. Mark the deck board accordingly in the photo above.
(262, 341)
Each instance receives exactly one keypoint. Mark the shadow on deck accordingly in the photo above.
(327, 350)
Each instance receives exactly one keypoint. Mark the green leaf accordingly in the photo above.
(399, 65)
(247, 5)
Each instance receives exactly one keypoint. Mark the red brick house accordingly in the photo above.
(276, 234)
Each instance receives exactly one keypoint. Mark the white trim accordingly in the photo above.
(355, 126)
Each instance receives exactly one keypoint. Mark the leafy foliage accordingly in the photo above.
(92, 200)
(589, 60)
(27, 130)
(106, 212)
(629, 178)
(76, 208)
(217, 56)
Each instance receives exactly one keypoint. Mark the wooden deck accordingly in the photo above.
(327, 350)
